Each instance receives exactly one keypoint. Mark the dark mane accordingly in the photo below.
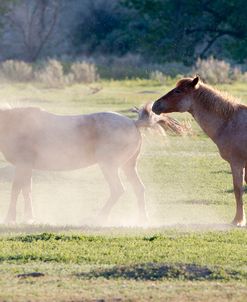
(219, 102)
(212, 99)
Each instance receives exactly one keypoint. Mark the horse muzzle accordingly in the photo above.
(157, 107)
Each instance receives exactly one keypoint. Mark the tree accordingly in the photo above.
(32, 23)
(4, 6)
(102, 28)
(183, 30)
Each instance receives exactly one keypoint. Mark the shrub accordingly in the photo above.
(135, 66)
(243, 77)
(214, 71)
(51, 74)
(158, 76)
(16, 71)
(129, 66)
(174, 69)
(83, 72)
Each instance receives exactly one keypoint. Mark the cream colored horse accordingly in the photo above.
(222, 118)
(31, 138)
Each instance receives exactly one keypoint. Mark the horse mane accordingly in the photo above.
(217, 101)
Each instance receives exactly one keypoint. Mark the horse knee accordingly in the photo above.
(140, 189)
(118, 192)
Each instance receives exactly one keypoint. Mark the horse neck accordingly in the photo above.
(210, 122)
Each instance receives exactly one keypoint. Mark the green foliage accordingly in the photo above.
(4, 7)
(176, 29)
(103, 29)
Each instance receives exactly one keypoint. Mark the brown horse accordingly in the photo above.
(222, 118)
(31, 138)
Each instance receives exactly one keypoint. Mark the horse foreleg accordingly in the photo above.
(27, 195)
(245, 174)
(237, 174)
(15, 191)
(139, 189)
(116, 188)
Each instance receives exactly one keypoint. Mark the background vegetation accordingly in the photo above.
(156, 30)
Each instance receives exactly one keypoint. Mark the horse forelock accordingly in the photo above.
(184, 82)
(217, 101)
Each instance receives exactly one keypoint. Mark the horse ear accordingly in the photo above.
(195, 81)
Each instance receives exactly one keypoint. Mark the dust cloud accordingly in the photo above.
(75, 198)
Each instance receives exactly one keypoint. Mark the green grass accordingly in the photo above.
(225, 249)
(188, 252)
(171, 264)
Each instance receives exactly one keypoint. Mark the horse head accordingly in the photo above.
(179, 99)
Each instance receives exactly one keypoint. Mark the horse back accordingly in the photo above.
(55, 142)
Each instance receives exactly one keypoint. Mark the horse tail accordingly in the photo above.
(148, 119)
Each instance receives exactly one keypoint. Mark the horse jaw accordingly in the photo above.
(185, 104)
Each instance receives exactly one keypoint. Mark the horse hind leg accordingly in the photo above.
(111, 174)
(130, 170)
(15, 191)
(21, 182)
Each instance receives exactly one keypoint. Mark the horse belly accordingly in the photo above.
(64, 155)
(120, 145)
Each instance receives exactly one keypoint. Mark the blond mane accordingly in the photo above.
(217, 101)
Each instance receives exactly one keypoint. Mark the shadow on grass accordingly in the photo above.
(156, 271)
(221, 172)
(194, 201)
(232, 191)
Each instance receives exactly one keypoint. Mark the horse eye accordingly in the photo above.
(177, 91)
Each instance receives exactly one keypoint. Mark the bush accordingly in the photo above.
(125, 67)
(174, 69)
(135, 66)
(16, 71)
(51, 74)
(158, 76)
(83, 72)
(214, 71)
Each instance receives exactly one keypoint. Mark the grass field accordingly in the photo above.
(188, 252)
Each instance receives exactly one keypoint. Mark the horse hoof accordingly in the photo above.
(239, 223)
(143, 221)
(9, 221)
(101, 219)
(29, 221)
